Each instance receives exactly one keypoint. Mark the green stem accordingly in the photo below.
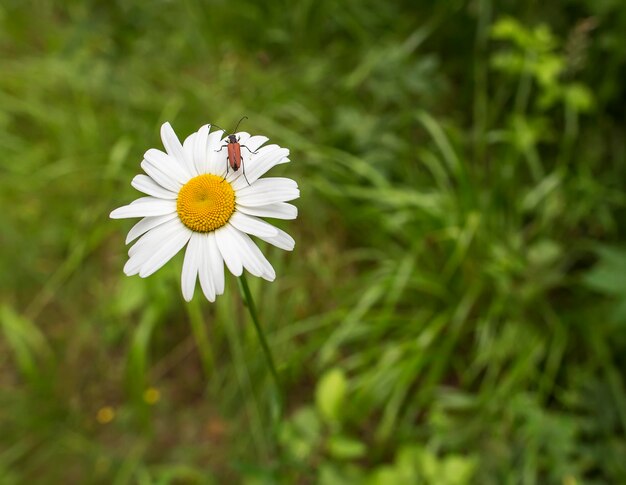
(247, 295)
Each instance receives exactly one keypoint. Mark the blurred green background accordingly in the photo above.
(454, 311)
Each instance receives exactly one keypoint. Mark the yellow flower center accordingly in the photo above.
(205, 203)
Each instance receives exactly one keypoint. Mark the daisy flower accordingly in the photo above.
(192, 201)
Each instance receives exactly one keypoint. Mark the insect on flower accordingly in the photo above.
(234, 151)
(191, 200)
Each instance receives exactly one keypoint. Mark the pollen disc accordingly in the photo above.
(205, 203)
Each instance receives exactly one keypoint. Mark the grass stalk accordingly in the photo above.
(249, 302)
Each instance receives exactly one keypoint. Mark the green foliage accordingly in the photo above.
(330, 395)
(454, 310)
(535, 54)
(609, 278)
(314, 443)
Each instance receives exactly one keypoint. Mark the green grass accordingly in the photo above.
(454, 311)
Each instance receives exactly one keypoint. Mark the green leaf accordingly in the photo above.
(345, 448)
(579, 97)
(609, 274)
(32, 352)
(330, 394)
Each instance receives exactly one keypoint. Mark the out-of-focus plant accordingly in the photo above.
(534, 52)
(322, 448)
(446, 304)
(608, 277)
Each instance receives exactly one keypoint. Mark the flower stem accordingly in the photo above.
(247, 295)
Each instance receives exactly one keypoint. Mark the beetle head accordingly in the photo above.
(232, 138)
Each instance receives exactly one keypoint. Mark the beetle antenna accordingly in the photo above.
(243, 118)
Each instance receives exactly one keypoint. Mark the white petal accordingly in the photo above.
(282, 241)
(191, 263)
(168, 165)
(160, 177)
(174, 148)
(269, 184)
(252, 225)
(147, 244)
(188, 152)
(249, 263)
(216, 154)
(200, 145)
(254, 260)
(216, 264)
(147, 223)
(133, 264)
(145, 184)
(255, 142)
(267, 191)
(245, 253)
(277, 210)
(144, 207)
(166, 251)
(266, 158)
(206, 278)
(155, 237)
(228, 248)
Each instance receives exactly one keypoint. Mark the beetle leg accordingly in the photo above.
(221, 148)
(243, 169)
(243, 146)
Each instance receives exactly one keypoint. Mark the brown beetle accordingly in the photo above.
(234, 159)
